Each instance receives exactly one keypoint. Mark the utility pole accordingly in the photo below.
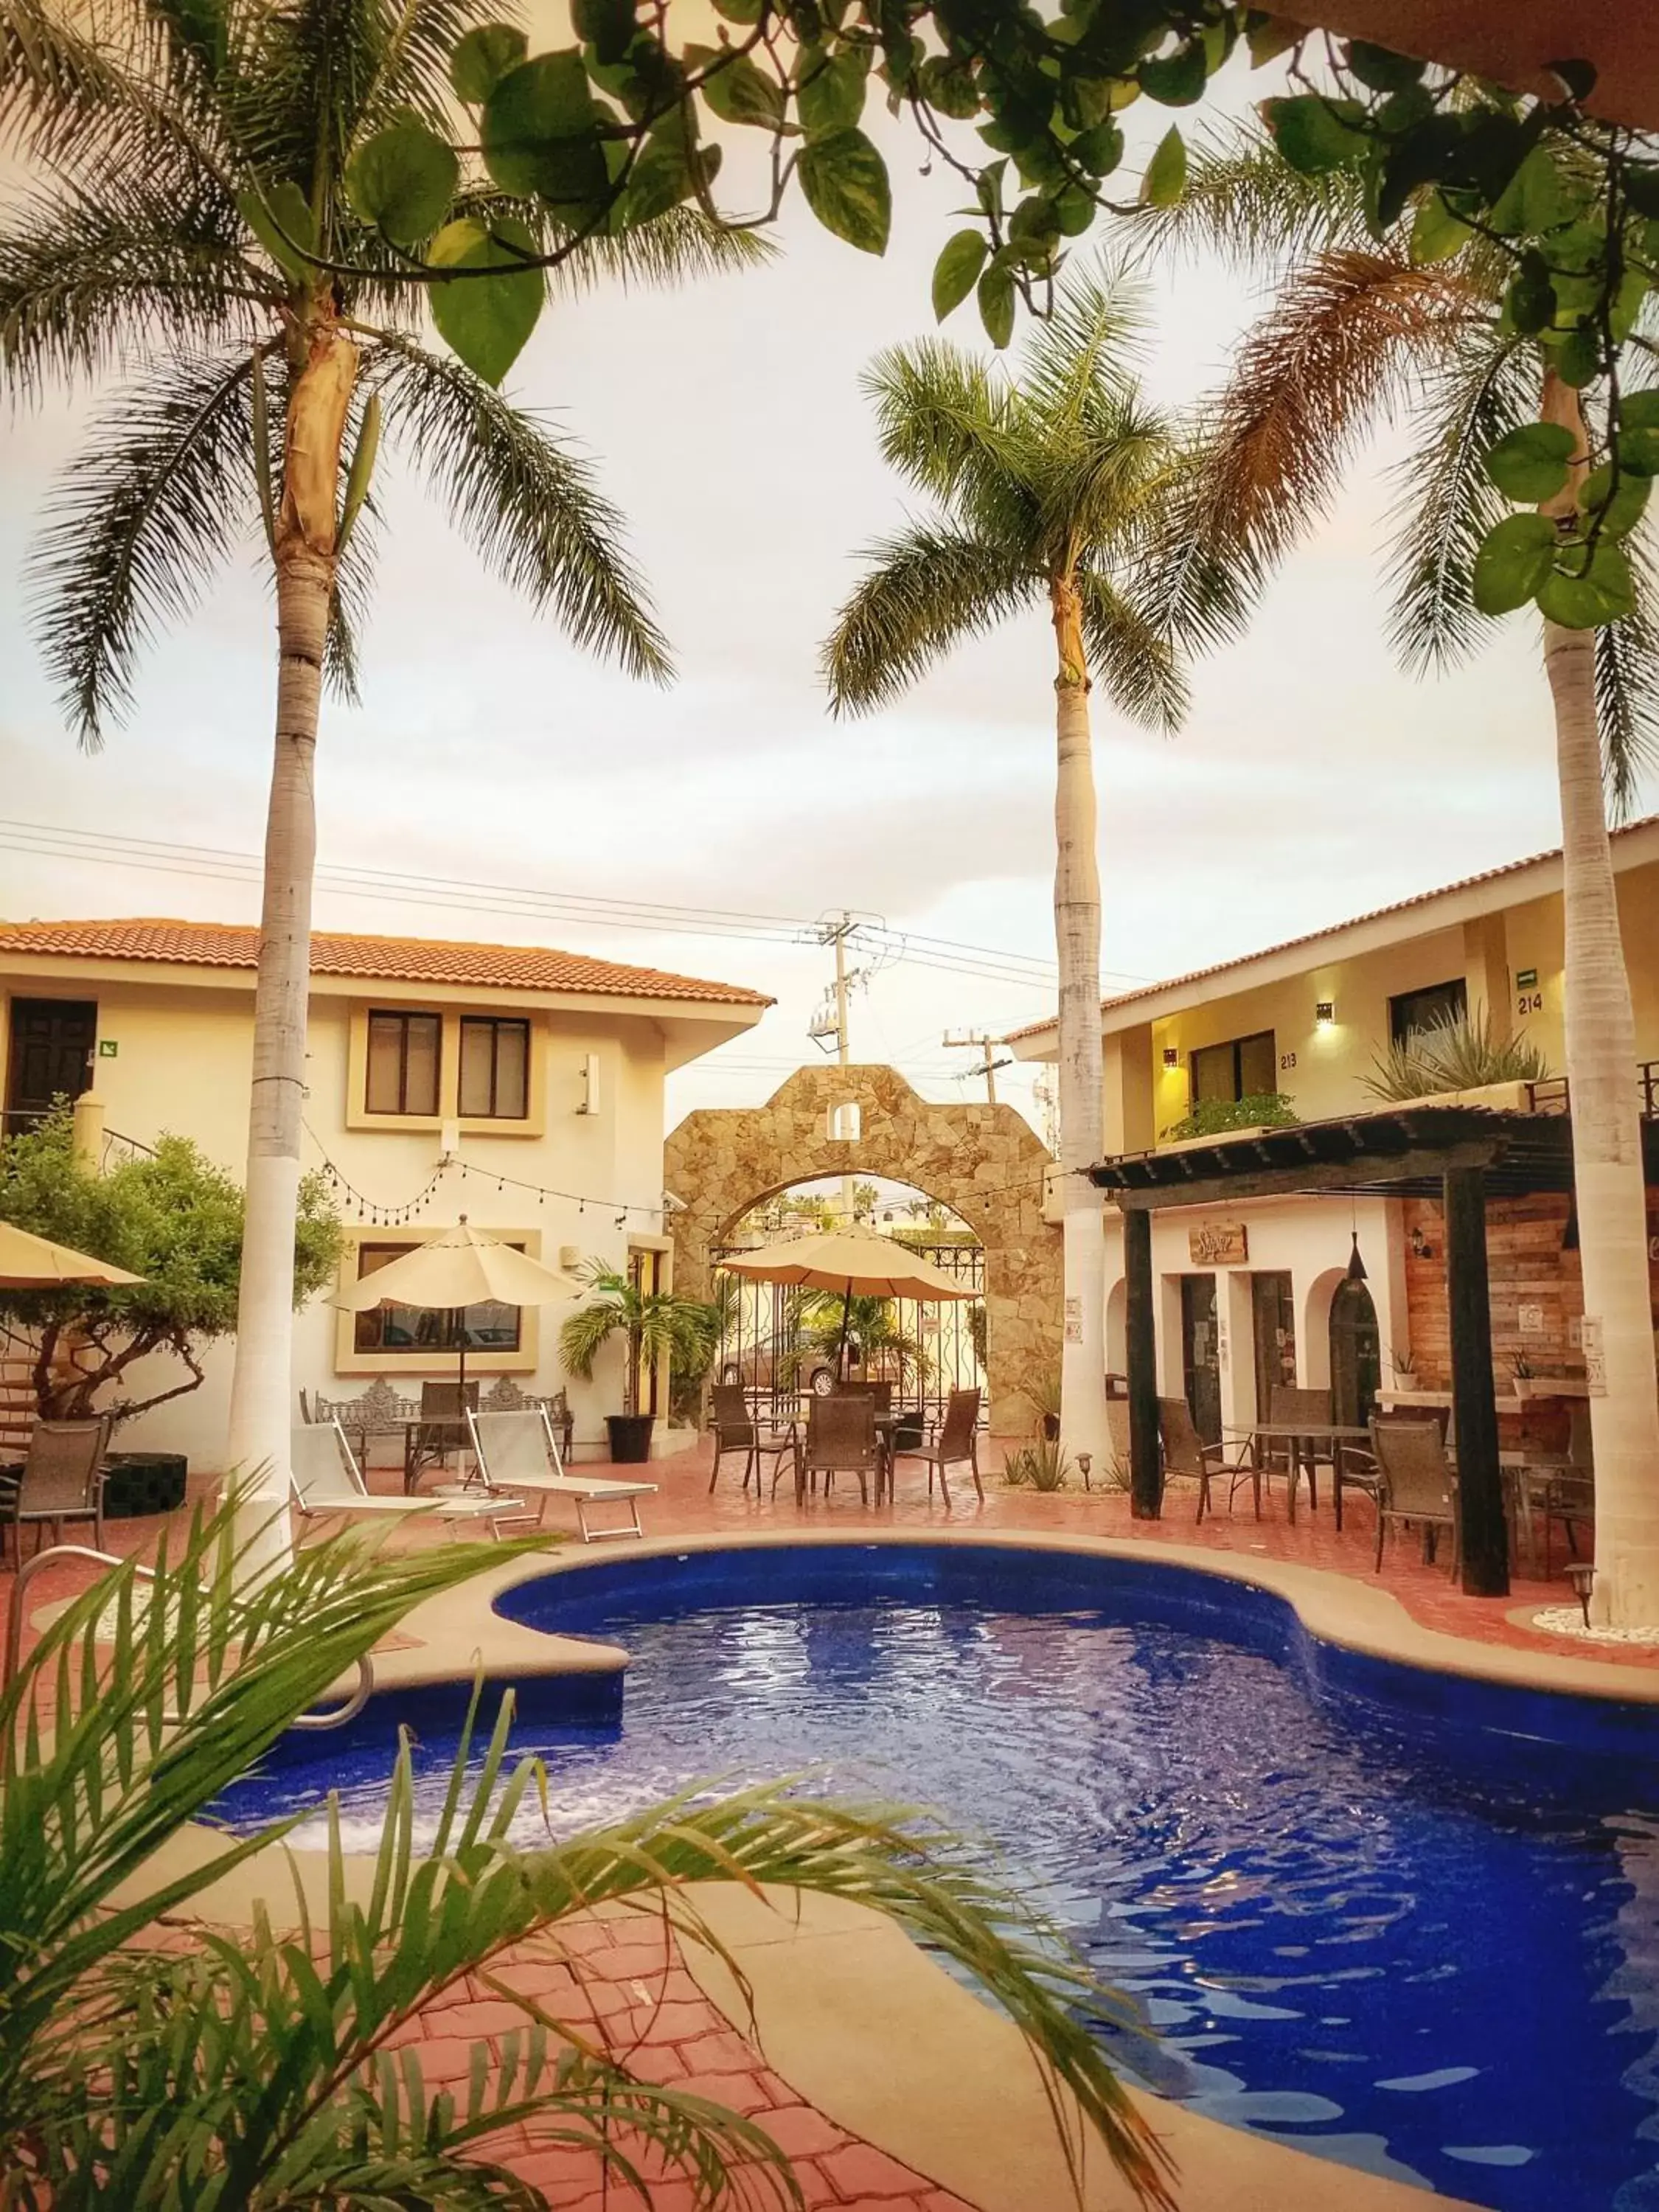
(980, 1040)
(836, 934)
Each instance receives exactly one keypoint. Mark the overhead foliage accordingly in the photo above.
(170, 1216)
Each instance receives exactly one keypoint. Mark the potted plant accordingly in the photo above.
(656, 1325)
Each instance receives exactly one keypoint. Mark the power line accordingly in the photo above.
(219, 864)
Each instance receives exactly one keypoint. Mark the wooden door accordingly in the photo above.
(1356, 1355)
(1202, 1355)
(52, 1041)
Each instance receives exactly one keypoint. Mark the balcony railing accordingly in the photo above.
(1551, 1096)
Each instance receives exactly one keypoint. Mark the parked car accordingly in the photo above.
(779, 1363)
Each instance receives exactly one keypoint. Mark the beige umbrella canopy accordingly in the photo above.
(857, 1262)
(29, 1262)
(463, 1267)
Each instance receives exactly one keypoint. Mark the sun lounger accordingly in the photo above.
(518, 1451)
(328, 1486)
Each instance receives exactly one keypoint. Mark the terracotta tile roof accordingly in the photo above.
(381, 959)
(1331, 929)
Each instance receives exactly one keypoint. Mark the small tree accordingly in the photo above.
(171, 1217)
(656, 1324)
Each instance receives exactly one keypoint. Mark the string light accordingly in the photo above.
(380, 1215)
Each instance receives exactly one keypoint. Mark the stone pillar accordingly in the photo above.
(88, 1138)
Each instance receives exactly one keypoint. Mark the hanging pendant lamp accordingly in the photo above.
(1356, 1269)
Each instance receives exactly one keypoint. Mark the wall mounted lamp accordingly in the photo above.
(1324, 1012)
(1421, 1247)
(1172, 1057)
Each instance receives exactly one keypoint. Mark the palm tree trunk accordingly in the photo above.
(1606, 1130)
(1077, 942)
(261, 1399)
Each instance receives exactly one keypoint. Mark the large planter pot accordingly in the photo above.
(630, 1437)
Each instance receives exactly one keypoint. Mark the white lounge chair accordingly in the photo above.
(328, 1486)
(517, 1450)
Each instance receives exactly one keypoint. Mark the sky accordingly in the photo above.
(1311, 781)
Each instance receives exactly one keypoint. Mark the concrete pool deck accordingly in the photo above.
(961, 2123)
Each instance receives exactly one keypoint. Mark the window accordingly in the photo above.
(1242, 1068)
(418, 1330)
(494, 1069)
(404, 1055)
(1413, 1011)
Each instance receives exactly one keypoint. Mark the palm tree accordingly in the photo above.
(278, 2070)
(1360, 329)
(185, 153)
(1053, 487)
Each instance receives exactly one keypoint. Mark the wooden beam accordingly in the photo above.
(1484, 1539)
(1141, 1357)
(1427, 1165)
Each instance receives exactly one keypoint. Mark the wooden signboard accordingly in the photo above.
(1218, 1244)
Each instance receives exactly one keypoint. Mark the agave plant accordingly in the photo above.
(1457, 1052)
(264, 2071)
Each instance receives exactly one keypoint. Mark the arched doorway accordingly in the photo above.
(985, 1162)
(1356, 1355)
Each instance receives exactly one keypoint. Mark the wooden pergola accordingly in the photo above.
(1461, 1154)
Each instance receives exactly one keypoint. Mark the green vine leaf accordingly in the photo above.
(482, 58)
(1530, 463)
(1513, 561)
(957, 271)
(845, 181)
(487, 320)
(1165, 179)
(402, 181)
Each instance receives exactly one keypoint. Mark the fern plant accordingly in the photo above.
(273, 2072)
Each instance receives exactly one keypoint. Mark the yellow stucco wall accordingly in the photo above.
(182, 1064)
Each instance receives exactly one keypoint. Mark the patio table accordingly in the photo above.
(887, 1428)
(1301, 1437)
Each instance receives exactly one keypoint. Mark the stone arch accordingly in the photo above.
(984, 1161)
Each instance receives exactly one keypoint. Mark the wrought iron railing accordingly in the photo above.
(1551, 1095)
(119, 1150)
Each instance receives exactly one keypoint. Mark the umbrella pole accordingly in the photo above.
(846, 1315)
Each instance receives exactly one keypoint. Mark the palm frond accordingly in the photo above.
(136, 525)
(86, 280)
(1131, 658)
(950, 426)
(1345, 339)
(1191, 587)
(1627, 688)
(1244, 202)
(88, 96)
(1484, 387)
(1082, 358)
(678, 247)
(525, 502)
(928, 586)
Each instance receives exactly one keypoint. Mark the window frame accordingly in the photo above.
(444, 1346)
(1454, 993)
(1236, 1047)
(495, 1023)
(404, 1017)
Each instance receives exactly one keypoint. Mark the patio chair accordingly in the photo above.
(328, 1484)
(1185, 1454)
(840, 1439)
(1117, 1436)
(1568, 1499)
(957, 1441)
(517, 1451)
(440, 1430)
(1415, 1484)
(62, 1479)
(735, 1429)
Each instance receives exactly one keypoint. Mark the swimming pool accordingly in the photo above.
(1402, 1921)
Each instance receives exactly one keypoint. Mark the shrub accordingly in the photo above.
(1040, 1465)
(1213, 1117)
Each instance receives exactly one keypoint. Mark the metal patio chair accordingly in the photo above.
(735, 1429)
(62, 1479)
(1187, 1456)
(1415, 1484)
(957, 1443)
(840, 1439)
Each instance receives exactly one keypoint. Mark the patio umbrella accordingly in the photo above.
(463, 1267)
(855, 1263)
(29, 1262)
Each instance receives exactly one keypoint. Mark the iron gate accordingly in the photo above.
(780, 1342)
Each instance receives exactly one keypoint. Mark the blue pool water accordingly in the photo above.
(1408, 1925)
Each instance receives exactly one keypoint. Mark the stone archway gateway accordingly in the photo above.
(985, 1162)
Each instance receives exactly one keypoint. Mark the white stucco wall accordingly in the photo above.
(1307, 1238)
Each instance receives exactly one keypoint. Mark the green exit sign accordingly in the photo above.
(107, 1048)
(1526, 979)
